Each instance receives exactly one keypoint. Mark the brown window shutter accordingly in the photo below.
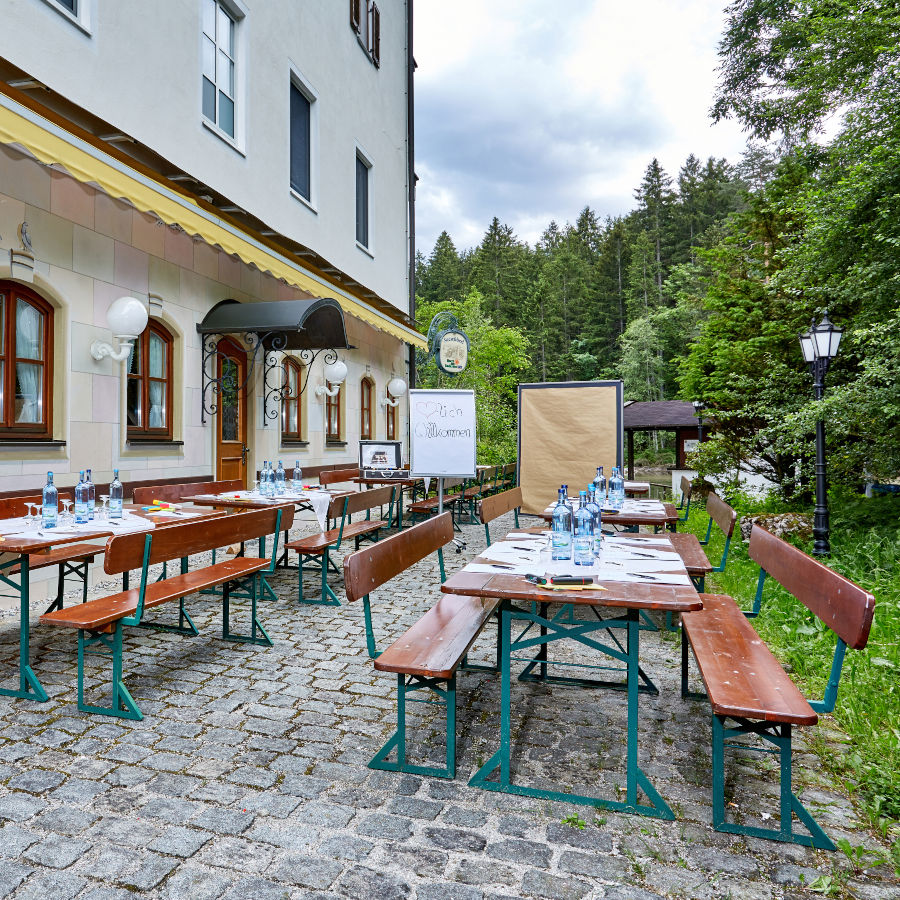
(354, 15)
(375, 36)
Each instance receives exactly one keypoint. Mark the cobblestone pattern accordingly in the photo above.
(247, 779)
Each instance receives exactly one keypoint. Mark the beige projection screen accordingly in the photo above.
(566, 430)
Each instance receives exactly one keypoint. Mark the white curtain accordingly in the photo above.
(157, 388)
(29, 343)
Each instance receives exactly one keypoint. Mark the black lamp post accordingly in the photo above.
(698, 412)
(820, 346)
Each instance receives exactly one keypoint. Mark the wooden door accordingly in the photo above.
(231, 424)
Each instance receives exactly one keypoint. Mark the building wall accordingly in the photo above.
(91, 249)
(138, 66)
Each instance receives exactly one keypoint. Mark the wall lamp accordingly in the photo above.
(335, 373)
(127, 318)
(396, 388)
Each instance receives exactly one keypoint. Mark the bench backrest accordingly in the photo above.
(125, 552)
(497, 505)
(13, 507)
(686, 488)
(335, 476)
(359, 500)
(174, 493)
(721, 513)
(843, 606)
(368, 569)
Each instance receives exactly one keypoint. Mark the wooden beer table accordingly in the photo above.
(633, 516)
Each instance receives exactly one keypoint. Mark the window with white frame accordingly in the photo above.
(363, 204)
(78, 12)
(219, 62)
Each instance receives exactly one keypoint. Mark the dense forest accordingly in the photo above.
(701, 290)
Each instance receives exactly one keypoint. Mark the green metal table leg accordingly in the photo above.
(30, 687)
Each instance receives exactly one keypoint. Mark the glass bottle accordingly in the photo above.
(600, 486)
(279, 478)
(616, 488)
(264, 479)
(593, 506)
(92, 491)
(116, 492)
(298, 475)
(49, 504)
(583, 543)
(81, 500)
(561, 524)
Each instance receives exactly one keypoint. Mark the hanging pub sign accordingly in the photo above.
(452, 352)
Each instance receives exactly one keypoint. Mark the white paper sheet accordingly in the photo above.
(505, 569)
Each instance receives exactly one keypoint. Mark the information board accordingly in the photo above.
(442, 433)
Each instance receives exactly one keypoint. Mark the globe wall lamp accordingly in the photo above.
(820, 346)
(698, 412)
(127, 318)
(396, 388)
(335, 373)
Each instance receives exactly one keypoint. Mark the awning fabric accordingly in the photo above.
(306, 324)
(53, 145)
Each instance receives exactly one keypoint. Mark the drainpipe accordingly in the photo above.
(411, 178)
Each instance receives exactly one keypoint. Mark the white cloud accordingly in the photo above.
(529, 113)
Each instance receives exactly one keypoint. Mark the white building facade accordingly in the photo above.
(188, 152)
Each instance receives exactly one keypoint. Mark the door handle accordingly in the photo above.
(244, 451)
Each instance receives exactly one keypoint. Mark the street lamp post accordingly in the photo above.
(698, 412)
(820, 346)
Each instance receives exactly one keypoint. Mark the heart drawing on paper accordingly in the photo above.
(427, 408)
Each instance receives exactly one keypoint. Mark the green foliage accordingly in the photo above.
(574, 821)
(497, 356)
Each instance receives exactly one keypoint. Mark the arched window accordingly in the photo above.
(149, 391)
(365, 410)
(26, 363)
(333, 414)
(291, 418)
(391, 413)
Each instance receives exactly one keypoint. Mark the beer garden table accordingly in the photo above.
(15, 550)
(627, 600)
(655, 514)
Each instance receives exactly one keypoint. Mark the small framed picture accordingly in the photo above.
(379, 455)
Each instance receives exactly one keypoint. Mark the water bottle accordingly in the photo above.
(593, 506)
(49, 504)
(91, 498)
(565, 493)
(600, 486)
(271, 481)
(561, 538)
(583, 543)
(81, 501)
(279, 479)
(115, 496)
(616, 488)
(264, 479)
(298, 474)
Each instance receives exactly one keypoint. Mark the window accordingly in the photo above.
(365, 20)
(291, 420)
(365, 410)
(333, 414)
(26, 354)
(148, 402)
(391, 412)
(301, 142)
(219, 65)
(70, 5)
(362, 201)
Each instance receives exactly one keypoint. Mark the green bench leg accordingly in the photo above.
(327, 596)
(778, 734)
(122, 705)
(397, 742)
(258, 634)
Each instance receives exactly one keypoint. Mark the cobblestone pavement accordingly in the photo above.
(247, 778)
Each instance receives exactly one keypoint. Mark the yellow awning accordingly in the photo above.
(52, 144)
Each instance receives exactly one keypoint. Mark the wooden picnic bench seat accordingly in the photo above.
(490, 508)
(428, 655)
(100, 622)
(314, 550)
(72, 559)
(747, 688)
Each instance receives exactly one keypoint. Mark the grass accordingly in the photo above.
(865, 543)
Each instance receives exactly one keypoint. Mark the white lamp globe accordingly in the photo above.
(335, 372)
(396, 386)
(127, 318)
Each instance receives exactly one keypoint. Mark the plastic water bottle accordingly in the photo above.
(92, 491)
(81, 501)
(279, 479)
(616, 488)
(116, 492)
(600, 486)
(561, 538)
(593, 506)
(583, 543)
(49, 504)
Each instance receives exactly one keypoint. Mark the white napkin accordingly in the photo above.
(504, 552)
(13, 526)
(500, 569)
(612, 574)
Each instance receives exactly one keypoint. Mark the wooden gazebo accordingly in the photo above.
(662, 415)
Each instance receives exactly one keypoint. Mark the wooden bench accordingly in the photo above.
(72, 559)
(428, 655)
(687, 488)
(749, 691)
(490, 508)
(428, 506)
(175, 493)
(315, 549)
(338, 476)
(100, 622)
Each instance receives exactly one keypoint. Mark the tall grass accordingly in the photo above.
(865, 543)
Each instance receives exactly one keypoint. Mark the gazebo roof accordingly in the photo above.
(659, 415)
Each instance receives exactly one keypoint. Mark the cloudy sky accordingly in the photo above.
(528, 110)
